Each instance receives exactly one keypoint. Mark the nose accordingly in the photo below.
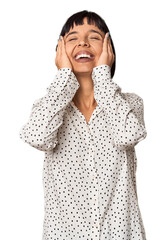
(83, 43)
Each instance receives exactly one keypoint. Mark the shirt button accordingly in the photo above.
(91, 152)
(93, 176)
(96, 225)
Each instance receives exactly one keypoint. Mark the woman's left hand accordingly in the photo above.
(107, 56)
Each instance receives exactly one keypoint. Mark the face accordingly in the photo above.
(86, 39)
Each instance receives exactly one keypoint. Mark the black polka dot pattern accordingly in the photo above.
(89, 168)
(124, 111)
(47, 112)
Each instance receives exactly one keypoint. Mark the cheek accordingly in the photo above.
(98, 48)
(68, 51)
(98, 53)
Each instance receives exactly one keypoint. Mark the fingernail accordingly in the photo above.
(59, 38)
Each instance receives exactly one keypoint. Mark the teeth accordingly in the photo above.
(82, 55)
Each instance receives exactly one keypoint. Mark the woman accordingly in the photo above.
(88, 130)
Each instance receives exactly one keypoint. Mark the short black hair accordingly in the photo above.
(92, 18)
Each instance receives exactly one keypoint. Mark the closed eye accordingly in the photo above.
(72, 39)
(91, 38)
(96, 38)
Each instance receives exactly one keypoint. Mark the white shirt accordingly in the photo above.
(89, 168)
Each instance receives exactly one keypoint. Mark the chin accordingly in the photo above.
(84, 68)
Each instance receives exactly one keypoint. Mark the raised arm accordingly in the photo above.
(47, 112)
(125, 111)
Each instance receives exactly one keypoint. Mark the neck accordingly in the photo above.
(84, 96)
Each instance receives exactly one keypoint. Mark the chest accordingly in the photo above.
(87, 113)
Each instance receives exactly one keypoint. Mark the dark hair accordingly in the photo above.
(92, 18)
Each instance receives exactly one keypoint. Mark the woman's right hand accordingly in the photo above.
(62, 60)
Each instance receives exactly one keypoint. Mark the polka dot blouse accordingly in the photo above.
(89, 168)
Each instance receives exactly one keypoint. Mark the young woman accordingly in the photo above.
(88, 130)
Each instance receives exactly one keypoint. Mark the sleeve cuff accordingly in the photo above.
(64, 76)
(104, 87)
(101, 71)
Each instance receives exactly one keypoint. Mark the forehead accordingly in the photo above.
(84, 28)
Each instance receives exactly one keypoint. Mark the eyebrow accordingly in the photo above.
(91, 30)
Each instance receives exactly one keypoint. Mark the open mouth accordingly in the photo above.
(84, 55)
(84, 58)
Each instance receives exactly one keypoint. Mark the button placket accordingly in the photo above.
(91, 152)
(94, 193)
(96, 229)
(93, 176)
(95, 207)
(95, 232)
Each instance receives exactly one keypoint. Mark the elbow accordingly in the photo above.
(34, 141)
(128, 141)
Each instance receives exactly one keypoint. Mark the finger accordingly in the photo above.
(105, 43)
(110, 45)
(58, 44)
(58, 53)
(111, 54)
(62, 44)
(63, 50)
(64, 47)
(110, 49)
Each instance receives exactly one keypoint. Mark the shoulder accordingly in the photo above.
(133, 98)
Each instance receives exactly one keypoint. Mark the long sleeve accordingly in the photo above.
(47, 112)
(124, 111)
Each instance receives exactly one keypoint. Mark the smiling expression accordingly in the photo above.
(84, 38)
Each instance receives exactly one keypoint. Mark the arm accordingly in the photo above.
(124, 110)
(47, 112)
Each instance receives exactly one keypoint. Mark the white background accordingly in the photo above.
(29, 33)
